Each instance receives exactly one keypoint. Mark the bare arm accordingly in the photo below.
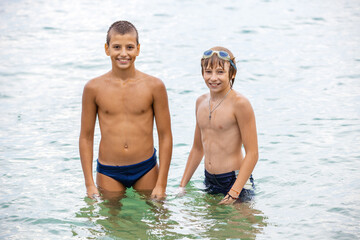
(163, 125)
(194, 159)
(246, 121)
(195, 156)
(86, 139)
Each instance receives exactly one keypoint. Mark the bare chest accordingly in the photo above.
(119, 100)
(221, 120)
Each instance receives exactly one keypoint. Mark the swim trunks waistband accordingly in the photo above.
(226, 179)
(129, 174)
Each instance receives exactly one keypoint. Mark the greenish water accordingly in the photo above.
(299, 64)
(137, 217)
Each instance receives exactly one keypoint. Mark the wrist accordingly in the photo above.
(234, 192)
(161, 181)
(90, 185)
(161, 186)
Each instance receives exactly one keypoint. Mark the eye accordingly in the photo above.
(116, 47)
(130, 47)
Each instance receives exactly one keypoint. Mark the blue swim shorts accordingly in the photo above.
(222, 183)
(129, 174)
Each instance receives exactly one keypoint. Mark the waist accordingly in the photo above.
(217, 163)
(141, 162)
(222, 175)
(229, 175)
(217, 167)
(122, 155)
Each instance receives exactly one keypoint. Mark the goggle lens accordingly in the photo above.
(208, 53)
(222, 54)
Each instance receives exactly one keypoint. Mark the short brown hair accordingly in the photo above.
(122, 27)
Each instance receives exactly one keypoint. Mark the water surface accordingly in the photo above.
(299, 65)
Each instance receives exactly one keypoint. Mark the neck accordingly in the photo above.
(124, 74)
(214, 96)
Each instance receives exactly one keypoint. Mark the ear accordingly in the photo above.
(138, 49)
(107, 49)
(232, 76)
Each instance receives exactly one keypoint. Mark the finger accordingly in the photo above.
(154, 196)
(226, 201)
(96, 197)
(223, 203)
(180, 192)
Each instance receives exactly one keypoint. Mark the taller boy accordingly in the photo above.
(225, 122)
(126, 102)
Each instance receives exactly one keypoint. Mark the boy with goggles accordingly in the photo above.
(225, 122)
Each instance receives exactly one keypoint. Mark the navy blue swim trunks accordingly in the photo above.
(129, 174)
(222, 183)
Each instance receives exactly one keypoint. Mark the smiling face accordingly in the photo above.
(214, 62)
(217, 78)
(122, 49)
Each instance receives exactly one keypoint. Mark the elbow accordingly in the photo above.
(254, 156)
(165, 137)
(86, 137)
(197, 149)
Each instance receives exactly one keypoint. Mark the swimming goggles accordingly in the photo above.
(221, 54)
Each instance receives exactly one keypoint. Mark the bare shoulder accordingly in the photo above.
(96, 83)
(201, 99)
(242, 105)
(153, 82)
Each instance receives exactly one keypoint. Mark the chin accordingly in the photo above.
(124, 66)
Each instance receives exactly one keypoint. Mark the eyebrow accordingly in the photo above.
(217, 67)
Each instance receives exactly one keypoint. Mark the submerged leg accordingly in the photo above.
(109, 187)
(147, 182)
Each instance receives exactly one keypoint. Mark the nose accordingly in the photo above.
(213, 76)
(123, 52)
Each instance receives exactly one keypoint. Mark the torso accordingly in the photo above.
(221, 137)
(126, 118)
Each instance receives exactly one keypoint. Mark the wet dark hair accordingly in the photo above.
(215, 61)
(122, 27)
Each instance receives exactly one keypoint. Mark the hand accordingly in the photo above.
(92, 192)
(228, 199)
(158, 193)
(180, 192)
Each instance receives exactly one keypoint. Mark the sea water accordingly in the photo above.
(299, 65)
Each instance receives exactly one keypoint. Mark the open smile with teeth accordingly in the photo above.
(122, 60)
(214, 84)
